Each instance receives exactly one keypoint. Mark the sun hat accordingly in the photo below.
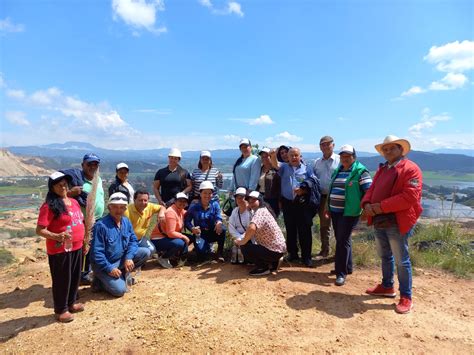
(174, 152)
(241, 191)
(118, 198)
(245, 141)
(395, 140)
(206, 185)
(347, 148)
(90, 157)
(121, 166)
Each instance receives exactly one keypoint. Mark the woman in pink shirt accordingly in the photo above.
(61, 222)
(271, 246)
(167, 237)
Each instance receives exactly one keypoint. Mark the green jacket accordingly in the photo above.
(353, 193)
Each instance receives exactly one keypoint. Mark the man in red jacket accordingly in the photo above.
(393, 204)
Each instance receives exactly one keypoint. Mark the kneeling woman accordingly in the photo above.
(271, 245)
(167, 237)
(61, 222)
(204, 220)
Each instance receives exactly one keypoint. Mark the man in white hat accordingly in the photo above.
(114, 249)
(171, 179)
(393, 204)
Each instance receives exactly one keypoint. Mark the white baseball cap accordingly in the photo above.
(181, 195)
(264, 150)
(118, 198)
(174, 152)
(120, 166)
(347, 148)
(206, 185)
(205, 153)
(245, 141)
(254, 194)
(240, 191)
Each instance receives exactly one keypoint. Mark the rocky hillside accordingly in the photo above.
(13, 165)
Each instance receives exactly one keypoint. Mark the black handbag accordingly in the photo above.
(228, 206)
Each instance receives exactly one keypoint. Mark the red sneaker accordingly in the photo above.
(404, 306)
(380, 290)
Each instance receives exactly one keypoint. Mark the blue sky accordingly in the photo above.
(200, 74)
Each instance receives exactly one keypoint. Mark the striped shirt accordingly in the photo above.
(199, 176)
(338, 190)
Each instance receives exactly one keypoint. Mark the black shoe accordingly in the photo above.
(308, 262)
(333, 272)
(322, 255)
(276, 265)
(340, 281)
(259, 272)
(86, 280)
(292, 258)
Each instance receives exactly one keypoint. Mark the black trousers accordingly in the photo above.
(343, 227)
(298, 229)
(65, 273)
(259, 255)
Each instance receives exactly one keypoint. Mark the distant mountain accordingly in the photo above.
(13, 165)
(468, 152)
(70, 154)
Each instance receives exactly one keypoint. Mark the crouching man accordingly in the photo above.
(114, 250)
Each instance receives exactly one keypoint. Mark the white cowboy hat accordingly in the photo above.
(394, 139)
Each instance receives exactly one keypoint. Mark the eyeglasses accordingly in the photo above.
(118, 198)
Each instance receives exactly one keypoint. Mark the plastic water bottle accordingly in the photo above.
(68, 241)
(199, 241)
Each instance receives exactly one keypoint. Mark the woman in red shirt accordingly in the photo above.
(61, 222)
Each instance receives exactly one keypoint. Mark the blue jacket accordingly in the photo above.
(111, 244)
(206, 219)
(78, 178)
(312, 199)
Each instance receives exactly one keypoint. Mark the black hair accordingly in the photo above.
(263, 204)
(140, 192)
(200, 165)
(280, 148)
(54, 201)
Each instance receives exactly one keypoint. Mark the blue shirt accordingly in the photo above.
(323, 169)
(111, 244)
(246, 174)
(206, 219)
(292, 177)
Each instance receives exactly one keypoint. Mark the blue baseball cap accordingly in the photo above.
(90, 157)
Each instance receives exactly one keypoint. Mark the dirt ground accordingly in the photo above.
(218, 308)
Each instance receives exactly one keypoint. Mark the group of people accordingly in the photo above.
(337, 187)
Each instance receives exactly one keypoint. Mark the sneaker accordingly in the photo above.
(240, 256)
(276, 265)
(64, 317)
(380, 290)
(340, 281)
(259, 272)
(404, 305)
(308, 262)
(164, 262)
(233, 259)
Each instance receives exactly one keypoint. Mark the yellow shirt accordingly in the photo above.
(141, 221)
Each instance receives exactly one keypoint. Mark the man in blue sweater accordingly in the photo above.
(114, 250)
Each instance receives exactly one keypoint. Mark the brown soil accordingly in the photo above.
(218, 308)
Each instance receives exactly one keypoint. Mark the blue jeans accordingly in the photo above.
(118, 286)
(392, 247)
(146, 243)
(170, 247)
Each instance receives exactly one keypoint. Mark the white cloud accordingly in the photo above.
(15, 94)
(282, 138)
(451, 81)
(17, 118)
(139, 14)
(7, 26)
(453, 58)
(427, 122)
(413, 91)
(262, 120)
(231, 8)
